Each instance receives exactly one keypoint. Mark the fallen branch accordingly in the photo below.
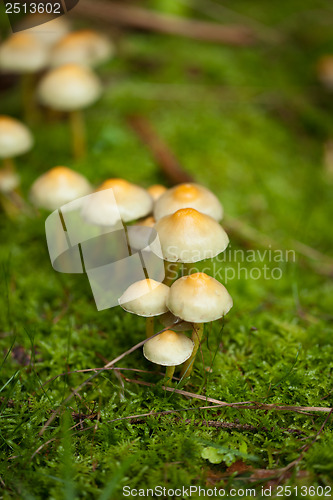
(160, 151)
(137, 17)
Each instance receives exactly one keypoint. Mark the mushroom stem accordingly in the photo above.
(169, 373)
(197, 333)
(8, 206)
(78, 133)
(149, 327)
(8, 164)
(171, 272)
(186, 268)
(28, 98)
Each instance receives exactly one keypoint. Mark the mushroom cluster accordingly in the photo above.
(185, 219)
(177, 227)
(54, 65)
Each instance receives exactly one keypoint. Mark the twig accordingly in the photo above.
(253, 405)
(89, 379)
(307, 447)
(41, 447)
(160, 152)
(137, 17)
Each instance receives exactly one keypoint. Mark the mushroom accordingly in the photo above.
(188, 196)
(156, 190)
(58, 186)
(198, 298)
(47, 28)
(168, 349)
(71, 88)
(146, 298)
(9, 181)
(86, 47)
(133, 202)
(15, 139)
(25, 54)
(189, 236)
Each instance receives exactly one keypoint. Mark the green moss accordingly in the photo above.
(249, 124)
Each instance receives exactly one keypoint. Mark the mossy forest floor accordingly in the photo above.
(249, 123)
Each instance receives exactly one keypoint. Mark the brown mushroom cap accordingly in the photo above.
(23, 53)
(190, 236)
(168, 348)
(199, 298)
(69, 87)
(188, 196)
(86, 47)
(58, 186)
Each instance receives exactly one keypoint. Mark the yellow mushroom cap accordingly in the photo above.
(23, 53)
(156, 190)
(8, 181)
(325, 70)
(86, 47)
(141, 234)
(58, 186)
(190, 236)
(145, 298)
(69, 87)
(188, 196)
(15, 137)
(168, 348)
(47, 28)
(199, 298)
(133, 201)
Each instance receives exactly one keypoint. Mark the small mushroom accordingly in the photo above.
(71, 88)
(58, 186)
(188, 196)
(140, 234)
(146, 298)
(190, 236)
(198, 298)
(47, 28)
(15, 140)
(156, 191)
(25, 54)
(133, 201)
(168, 349)
(86, 47)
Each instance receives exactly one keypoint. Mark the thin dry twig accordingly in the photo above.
(253, 405)
(89, 379)
(137, 17)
